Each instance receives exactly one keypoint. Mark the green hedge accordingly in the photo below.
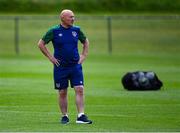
(89, 6)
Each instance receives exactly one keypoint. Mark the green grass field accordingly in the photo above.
(28, 101)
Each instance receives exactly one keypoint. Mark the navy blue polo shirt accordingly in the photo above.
(65, 43)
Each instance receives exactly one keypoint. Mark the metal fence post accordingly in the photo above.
(109, 23)
(16, 34)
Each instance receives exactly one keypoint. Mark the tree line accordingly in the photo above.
(89, 6)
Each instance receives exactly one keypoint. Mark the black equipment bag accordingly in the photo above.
(141, 80)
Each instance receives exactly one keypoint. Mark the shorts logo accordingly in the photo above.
(81, 82)
(57, 85)
(74, 33)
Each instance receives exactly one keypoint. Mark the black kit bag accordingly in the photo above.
(141, 80)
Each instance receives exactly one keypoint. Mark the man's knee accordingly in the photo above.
(79, 89)
(63, 93)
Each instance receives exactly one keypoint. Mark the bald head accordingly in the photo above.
(65, 12)
(67, 18)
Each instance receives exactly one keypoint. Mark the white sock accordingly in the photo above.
(65, 115)
(80, 114)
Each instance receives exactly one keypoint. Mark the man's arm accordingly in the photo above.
(84, 51)
(45, 51)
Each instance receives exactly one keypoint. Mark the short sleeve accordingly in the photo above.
(48, 36)
(82, 36)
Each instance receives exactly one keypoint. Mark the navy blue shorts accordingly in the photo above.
(62, 76)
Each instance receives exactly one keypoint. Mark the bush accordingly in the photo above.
(89, 6)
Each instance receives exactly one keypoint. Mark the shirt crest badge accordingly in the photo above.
(74, 33)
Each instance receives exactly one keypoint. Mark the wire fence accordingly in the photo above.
(108, 32)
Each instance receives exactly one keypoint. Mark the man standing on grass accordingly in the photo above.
(67, 62)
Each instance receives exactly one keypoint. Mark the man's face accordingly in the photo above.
(68, 18)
